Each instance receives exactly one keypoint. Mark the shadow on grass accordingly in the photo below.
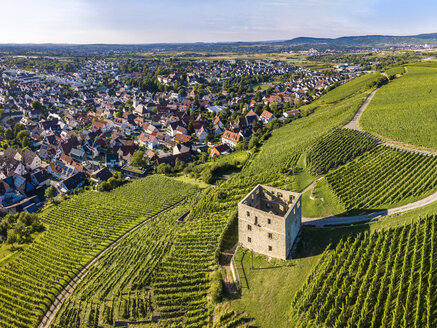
(314, 241)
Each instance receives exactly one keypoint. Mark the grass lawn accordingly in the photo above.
(302, 177)
(267, 292)
(320, 201)
(194, 181)
(262, 86)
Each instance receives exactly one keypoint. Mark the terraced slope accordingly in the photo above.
(78, 229)
(383, 279)
(384, 178)
(405, 110)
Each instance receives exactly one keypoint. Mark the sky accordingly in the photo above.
(173, 21)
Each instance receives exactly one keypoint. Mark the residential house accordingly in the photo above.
(101, 175)
(266, 117)
(292, 113)
(133, 172)
(40, 178)
(112, 161)
(147, 140)
(75, 181)
(222, 149)
(182, 138)
(201, 134)
(31, 160)
(230, 138)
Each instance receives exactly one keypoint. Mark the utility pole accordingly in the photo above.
(251, 259)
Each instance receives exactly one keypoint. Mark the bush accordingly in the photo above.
(216, 290)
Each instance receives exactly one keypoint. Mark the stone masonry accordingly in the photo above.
(269, 220)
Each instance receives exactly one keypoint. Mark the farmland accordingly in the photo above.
(384, 177)
(382, 279)
(405, 109)
(78, 229)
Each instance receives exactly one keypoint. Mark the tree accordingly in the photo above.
(18, 128)
(9, 134)
(113, 182)
(179, 165)
(22, 134)
(50, 193)
(190, 127)
(138, 159)
(36, 105)
(163, 168)
(104, 186)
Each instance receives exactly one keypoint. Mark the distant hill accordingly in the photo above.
(379, 41)
(296, 44)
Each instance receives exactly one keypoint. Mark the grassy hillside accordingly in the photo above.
(405, 110)
(78, 229)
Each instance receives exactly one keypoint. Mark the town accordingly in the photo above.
(75, 124)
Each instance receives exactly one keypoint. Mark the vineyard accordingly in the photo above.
(382, 279)
(117, 288)
(384, 177)
(78, 229)
(405, 109)
(337, 148)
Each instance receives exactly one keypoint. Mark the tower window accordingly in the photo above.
(249, 239)
(270, 235)
(249, 227)
(269, 221)
(270, 248)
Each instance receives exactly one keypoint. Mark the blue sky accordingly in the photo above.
(135, 21)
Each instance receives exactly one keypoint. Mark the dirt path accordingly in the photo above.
(311, 186)
(66, 292)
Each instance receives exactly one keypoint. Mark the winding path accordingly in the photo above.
(49, 316)
(344, 220)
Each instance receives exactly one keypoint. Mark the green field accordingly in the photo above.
(405, 110)
(384, 178)
(78, 229)
(383, 279)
